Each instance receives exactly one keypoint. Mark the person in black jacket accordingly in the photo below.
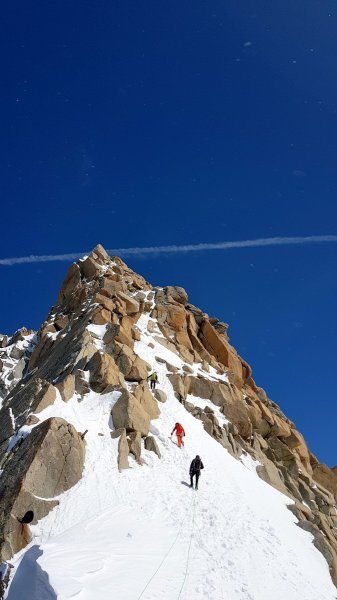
(195, 468)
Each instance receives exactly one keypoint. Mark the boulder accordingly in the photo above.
(160, 395)
(135, 445)
(129, 414)
(100, 254)
(101, 316)
(46, 396)
(175, 294)
(89, 267)
(131, 365)
(116, 433)
(208, 389)
(146, 400)
(82, 386)
(67, 387)
(103, 372)
(107, 303)
(131, 306)
(178, 385)
(123, 451)
(151, 444)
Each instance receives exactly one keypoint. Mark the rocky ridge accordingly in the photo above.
(15, 352)
(89, 341)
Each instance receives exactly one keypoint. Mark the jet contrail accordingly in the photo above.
(275, 241)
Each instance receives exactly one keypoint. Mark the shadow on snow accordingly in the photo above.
(30, 580)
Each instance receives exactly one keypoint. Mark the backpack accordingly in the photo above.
(197, 464)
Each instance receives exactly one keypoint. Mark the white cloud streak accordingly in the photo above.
(184, 249)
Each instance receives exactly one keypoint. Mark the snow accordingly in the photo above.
(143, 534)
(97, 332)
(8, 375)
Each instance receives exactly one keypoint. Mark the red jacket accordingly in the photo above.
(178, 429)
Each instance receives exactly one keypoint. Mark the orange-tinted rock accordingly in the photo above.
(70, 285)
(101, 317)
(326, 477)
(105, 302)
(280, 427)
(218, 347)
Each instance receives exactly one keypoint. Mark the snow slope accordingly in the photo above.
(144, 534)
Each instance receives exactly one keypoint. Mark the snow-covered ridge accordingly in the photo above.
(14, 355)
(234, 538)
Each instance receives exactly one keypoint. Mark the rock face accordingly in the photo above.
(48, 462)
(88, 343)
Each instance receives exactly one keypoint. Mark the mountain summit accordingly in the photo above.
(85, 445)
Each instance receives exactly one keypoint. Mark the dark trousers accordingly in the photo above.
(153, 384)
(197, 475)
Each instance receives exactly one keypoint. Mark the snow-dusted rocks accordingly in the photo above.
(15, 353)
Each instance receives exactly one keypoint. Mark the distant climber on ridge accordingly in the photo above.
(195, 468)
(153, 379)
(180, 433)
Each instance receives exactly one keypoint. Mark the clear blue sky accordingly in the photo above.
(150, 123)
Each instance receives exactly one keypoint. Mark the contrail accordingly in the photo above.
(275, 241)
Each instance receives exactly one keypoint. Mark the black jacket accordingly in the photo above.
(196, 465)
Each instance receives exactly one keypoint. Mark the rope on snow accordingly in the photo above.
(189, 550)
(167, 553)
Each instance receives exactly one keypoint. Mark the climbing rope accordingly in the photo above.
(167, 553)
(189, 549)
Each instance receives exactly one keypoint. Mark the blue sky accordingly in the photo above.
(154, 123)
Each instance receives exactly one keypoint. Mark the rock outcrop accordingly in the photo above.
(46, 463)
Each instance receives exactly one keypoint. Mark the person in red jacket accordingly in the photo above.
(180, 432)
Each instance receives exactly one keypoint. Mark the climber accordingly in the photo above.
(153, 379)
(195, 467)
(180, 433)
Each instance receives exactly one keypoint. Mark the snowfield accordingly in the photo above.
(144, 534)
